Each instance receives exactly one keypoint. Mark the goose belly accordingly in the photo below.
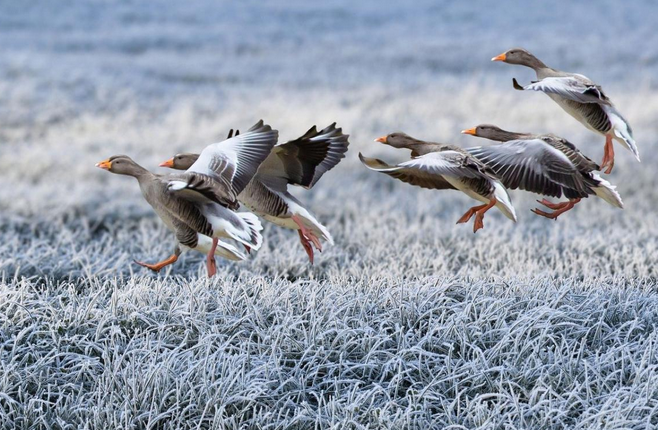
(591, 115)
(464, 188)
(281, 221)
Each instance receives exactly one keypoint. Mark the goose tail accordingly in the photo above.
(622, 130)
(503, 201)
(607, 191)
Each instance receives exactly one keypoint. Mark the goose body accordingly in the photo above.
(300, 162)
(439, 166)
(543, 164)
(581, 98)
(196, 225)
(200, 202)
(184, 218)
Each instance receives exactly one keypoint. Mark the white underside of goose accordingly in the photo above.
(243, 227)
(224, 249)
(298, 211)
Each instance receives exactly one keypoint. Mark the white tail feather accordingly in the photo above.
(504, 202)
(607, 191)
(224, 249)
(622, 131)
(243, 227)
(254, 227)
(324, 233)
(312, 224)
(176, 185)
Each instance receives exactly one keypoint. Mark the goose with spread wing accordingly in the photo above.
(300, 162)
(579, 97)
(442, 167)
(192, 229)
(542, 164)
(202, 199)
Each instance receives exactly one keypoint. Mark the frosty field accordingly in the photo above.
(409, 321)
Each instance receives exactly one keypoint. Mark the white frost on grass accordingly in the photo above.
(390, 353)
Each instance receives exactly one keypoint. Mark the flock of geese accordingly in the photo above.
(199, 203)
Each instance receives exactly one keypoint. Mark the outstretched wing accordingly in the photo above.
(223, 169)
(410, 175)
(575, 87)
(303, 161)
(532, 165)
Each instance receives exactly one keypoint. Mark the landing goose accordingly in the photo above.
(300, 162)
(438, 166)
(579, 97)
(542, 164)
(203, 198)
(193, 230)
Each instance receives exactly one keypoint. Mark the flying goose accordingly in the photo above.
(192, 229)
(300, 162)
(202, 199)
(542, 164)
(579, 97)
(438, 166)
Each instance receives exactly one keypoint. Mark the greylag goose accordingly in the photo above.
(438, 166)
(579, 97)
(300, 162)
(202, 199)
(542, 164)
(180, 216)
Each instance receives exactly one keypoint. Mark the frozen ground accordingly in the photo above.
(409, 321)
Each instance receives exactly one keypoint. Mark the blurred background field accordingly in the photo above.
(85, 80)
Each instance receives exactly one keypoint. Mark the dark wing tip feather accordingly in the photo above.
(516, 85)
(312, 132)
(260, 126)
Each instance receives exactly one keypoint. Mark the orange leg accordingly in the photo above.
(467, 216)
(307, 246)
(157, 266)
(308, 234)
(551, 205)
(479, 215)
(553, 215)
(608, 155)
(210, 259)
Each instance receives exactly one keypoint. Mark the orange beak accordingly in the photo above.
(501, 57)
(381, 139)
(169, 163)
(105, 164)
(470, 131)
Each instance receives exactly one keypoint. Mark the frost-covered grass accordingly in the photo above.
(410, 321)
(332, 353)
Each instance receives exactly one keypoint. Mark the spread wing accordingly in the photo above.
(223, 169)
(575, 87)
(431, 170)
(303, 161)
(532, 165)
